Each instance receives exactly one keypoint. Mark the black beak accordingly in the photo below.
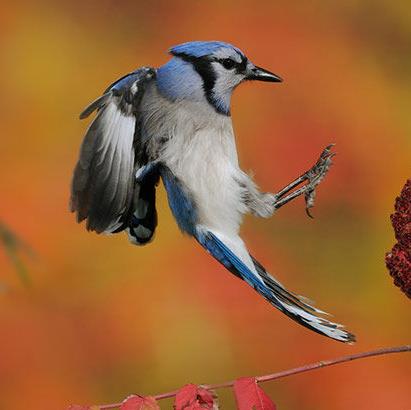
(258, 73)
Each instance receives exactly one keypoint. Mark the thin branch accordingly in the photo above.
(331, 362)
(285, 373)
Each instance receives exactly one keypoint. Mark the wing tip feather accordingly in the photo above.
(96, 104)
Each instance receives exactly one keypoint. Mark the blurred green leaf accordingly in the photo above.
(14, 247)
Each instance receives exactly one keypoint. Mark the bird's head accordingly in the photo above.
(210, 69)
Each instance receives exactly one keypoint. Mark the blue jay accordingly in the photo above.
(173, 123)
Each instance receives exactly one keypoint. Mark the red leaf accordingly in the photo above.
(250, 396)
(192, 397)
(135, 402)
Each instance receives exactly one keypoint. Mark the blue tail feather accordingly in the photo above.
(232, 262)
(294, 306)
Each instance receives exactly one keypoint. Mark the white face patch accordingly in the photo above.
(226, 79)
(227, 65)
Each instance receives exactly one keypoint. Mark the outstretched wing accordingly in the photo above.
(103, 182)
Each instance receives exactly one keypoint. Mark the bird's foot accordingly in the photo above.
(315, 175)
(312, 177)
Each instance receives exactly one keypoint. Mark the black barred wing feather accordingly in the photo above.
(103, 182)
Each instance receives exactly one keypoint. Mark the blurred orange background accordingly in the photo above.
(103, 318)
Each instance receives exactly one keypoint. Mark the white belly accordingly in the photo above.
(206, 162)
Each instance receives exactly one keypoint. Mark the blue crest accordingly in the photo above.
(201, 48)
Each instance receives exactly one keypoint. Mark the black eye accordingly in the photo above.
(228, 63)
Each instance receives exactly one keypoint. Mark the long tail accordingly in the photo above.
(233, 254)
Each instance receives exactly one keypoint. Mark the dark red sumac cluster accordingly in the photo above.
(398, 261)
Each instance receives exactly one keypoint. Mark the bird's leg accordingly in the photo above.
(313, 177)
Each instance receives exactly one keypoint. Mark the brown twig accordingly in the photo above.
(285, 373)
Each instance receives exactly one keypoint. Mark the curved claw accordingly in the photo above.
(309, 202)
(308, 212)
